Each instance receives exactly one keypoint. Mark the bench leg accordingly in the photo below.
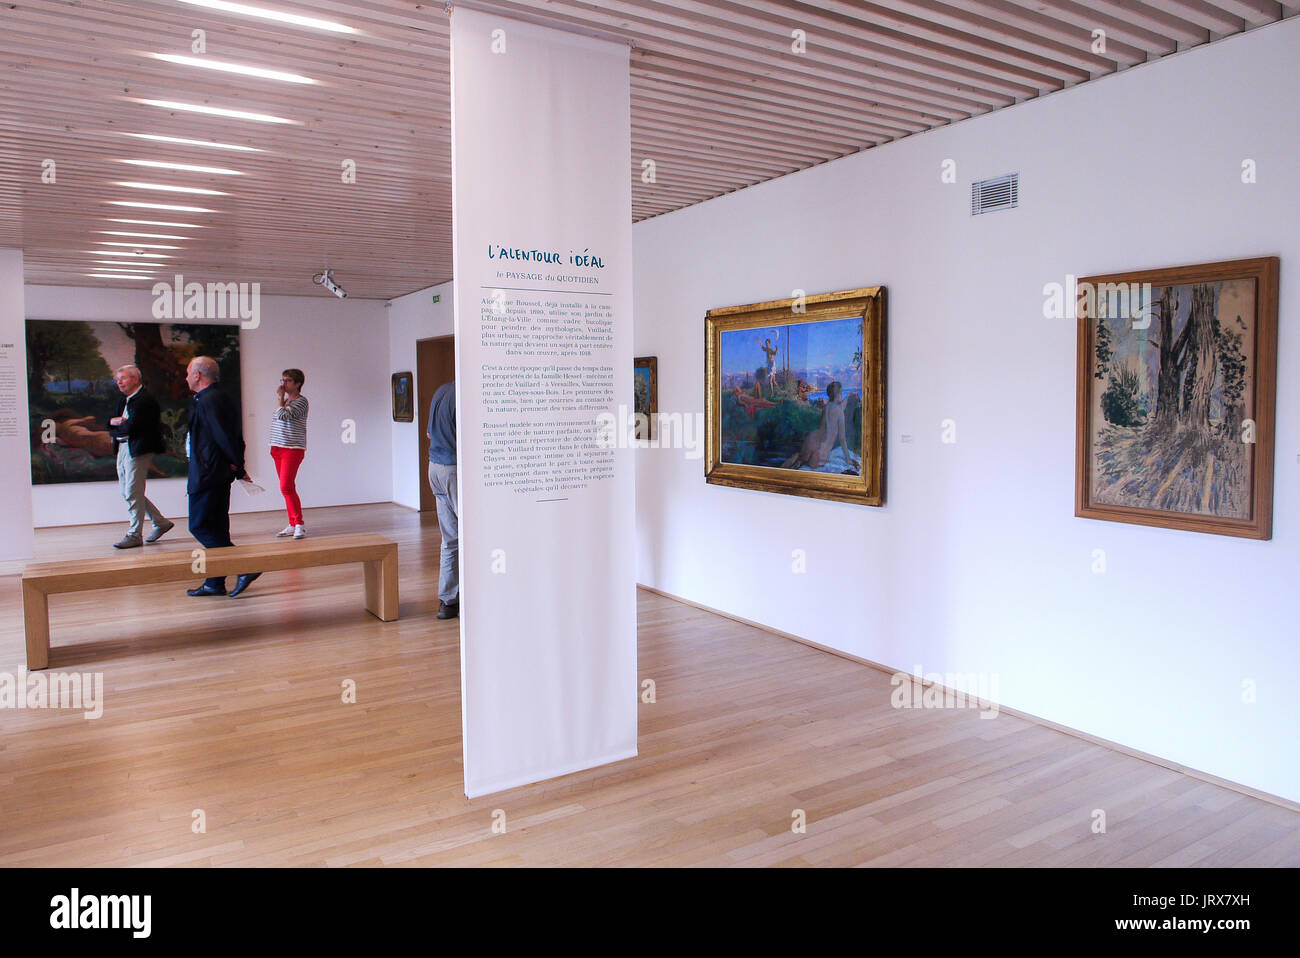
(36, 622)
(381, 587)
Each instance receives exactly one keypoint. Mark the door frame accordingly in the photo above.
(426, 384)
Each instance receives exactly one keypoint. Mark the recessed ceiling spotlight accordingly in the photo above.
(145, 235)
(239, 68)
(294, 19)
(218, 111)
(131, 184)
(184, 167)
(161, 206)
(194, 226)
(184, 142)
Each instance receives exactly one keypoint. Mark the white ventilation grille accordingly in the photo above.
(999, 193)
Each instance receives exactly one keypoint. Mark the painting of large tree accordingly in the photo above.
(1176, 382)
(71, 394)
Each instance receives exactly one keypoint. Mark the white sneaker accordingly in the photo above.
(286, 531)
(300, 532)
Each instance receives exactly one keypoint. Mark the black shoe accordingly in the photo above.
(206, 589)
(446, 611)
(243, 582)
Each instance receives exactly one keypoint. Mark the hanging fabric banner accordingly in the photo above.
(542, 211)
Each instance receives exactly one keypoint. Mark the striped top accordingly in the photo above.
(289, 425)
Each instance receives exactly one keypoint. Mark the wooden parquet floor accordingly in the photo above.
(234, 709)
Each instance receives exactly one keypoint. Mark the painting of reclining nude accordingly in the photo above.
(796, 396)
(1176, 397)
(71, 394)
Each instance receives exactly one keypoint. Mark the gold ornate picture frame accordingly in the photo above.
(404, 397)
(796, 396)
(645, 379)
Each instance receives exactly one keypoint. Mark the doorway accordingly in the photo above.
(435, 364)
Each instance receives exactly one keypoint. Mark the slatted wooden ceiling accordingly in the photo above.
(720, 100)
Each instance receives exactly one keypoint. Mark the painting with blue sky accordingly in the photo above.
(792, 396)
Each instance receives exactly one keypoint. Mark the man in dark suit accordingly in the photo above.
(216, 452)
(136, 428)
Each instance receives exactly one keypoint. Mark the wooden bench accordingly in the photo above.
(148, 566)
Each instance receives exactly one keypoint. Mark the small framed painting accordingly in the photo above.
(403, 397)
(795, 398)
(1176, 390)
(645, 377)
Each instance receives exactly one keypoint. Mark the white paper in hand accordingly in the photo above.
(250, 487)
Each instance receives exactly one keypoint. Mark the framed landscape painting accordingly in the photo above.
(403, 397)
(796, 396)
(1177, 384)
(71, 393)
(645, 377)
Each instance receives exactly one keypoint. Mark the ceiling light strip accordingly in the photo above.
(161, 206)
(195, 226)
(218, 111)
(182, 141)
(167, 187)
(183, 167)
(136, 245)
(239, 68)
(293, 19)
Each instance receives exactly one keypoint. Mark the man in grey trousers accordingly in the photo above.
(442, 480)
(137, 436)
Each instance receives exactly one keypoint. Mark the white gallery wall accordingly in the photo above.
(16, 537)
(411, 318)
(342, 348)
(976, 563)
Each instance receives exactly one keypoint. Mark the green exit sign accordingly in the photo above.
(437, 298)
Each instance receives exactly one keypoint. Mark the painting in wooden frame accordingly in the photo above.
(645, 379)
(1176, 389)
(403, 397)
(795, 398)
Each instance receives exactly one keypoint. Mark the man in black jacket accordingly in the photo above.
(216, 452)
(136, 428)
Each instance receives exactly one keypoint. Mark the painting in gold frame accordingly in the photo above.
(404, 397)
(1176, 389)
(796, 396)
(645, 379)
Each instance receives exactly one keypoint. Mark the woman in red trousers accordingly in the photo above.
(289, 445)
